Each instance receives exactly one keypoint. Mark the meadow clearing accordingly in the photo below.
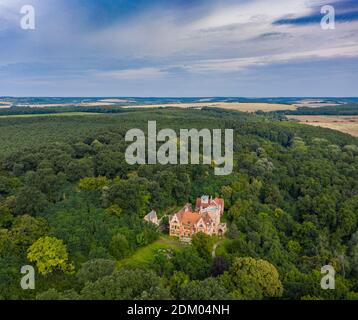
(145, 255)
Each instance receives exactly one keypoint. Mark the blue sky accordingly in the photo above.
(253, 48)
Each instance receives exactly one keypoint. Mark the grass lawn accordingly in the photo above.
(145, 255)
(62, 114)
(221, 249)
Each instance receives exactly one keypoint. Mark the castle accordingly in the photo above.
(205, 218)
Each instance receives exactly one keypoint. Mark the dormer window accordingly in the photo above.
(205, 199)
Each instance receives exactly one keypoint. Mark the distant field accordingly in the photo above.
(238, 106)
(244, 107)
(4, 105)
(346, 124)
(56, 105)
(64, 114)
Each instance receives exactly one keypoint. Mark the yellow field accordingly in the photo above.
(346, 124)
(114, 101)
(244, 107)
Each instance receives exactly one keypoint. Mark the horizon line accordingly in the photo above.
(186, 97)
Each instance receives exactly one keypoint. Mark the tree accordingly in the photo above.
(7, 184)
(92, 184)
(26, 230)
(47, 182)
(203, 245)
(30, 201)
(119, 246)
(298, 145)
(354, 253)
(162, 262)
(232, 232)
(7, 245)
(226, 193)
(93, 270)
(249, 278)
(78, 169)
(219, 266)
(208, 289)
(114, 210)
(53, 294)
(135, 284)
(347, 222)
(131, 196)
(302, 284)
(6, 212)
(189, 262)
(177, 283)
(110, 164)
(50, 255)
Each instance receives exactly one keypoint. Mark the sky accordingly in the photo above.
(177, 48)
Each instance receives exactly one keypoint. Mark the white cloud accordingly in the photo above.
(234, 65)
(228, 38)
(9, 13)
(256, 11)
(217, 38)
(139, 73)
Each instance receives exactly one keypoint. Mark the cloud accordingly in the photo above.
(128, 74)
(256, 11)
(8, 15)
(230, 30)
(184, 41)
(235, 65)
(345, 10)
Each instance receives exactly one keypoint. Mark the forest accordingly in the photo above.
(73, 208)
(349, 109)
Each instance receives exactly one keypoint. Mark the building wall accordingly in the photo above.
(179, 230)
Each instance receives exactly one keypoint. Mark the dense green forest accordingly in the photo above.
(73, 208)
(13, 111)
(338, 110)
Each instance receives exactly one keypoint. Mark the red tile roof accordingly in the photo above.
(189, 217)
(216, 201)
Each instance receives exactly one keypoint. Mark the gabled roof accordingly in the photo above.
(193, 218)
(190, 218)
(151, 215)
(219, 202)
(211, 202)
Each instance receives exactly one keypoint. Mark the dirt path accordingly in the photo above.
(215, 247)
